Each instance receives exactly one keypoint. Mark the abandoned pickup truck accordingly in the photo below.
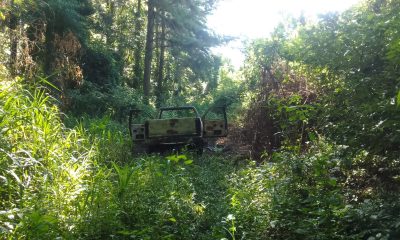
(177, 127)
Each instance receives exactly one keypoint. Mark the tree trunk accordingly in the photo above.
(148, 50)
(160, 74)
(109, 23)
(49, 55)
(13, 25)
(138, 47)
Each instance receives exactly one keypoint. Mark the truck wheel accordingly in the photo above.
(199, 150)
(199, 145)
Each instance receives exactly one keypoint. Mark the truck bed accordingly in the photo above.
(189, 126)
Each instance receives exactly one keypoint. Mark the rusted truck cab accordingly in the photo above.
(176, 127)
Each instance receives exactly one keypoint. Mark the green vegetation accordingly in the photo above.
(313, 151)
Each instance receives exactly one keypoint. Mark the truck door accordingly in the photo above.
(136, 130)
(215, 123)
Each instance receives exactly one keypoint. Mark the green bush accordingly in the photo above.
(94, 101)
(101, 66)
(315, 195)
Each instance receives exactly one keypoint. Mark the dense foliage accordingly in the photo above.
(314, 114)
(160, 49)
(78, 183)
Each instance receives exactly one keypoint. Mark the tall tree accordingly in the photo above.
(110, 15)
(13, 25)
(186, 41)
(151, 14)
(138, 46)
(161, 59)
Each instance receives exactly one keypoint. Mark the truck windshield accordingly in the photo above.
(177, 113)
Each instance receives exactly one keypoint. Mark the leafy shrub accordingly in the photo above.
(292, 197)
(100, 66)
(95, 101)
(375, 218)
(306, 198)
(316, 195)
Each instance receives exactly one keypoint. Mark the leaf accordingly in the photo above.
(332, 182)
(172, 219)
(12, 173)
(398, 99)
(312, 136)
(45, 81)
(18, 2)
(3, 178)
(188, 162)
(273, 223)
(182, 157)
(173, 158)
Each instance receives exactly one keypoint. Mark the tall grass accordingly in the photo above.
(81, 182)
(47, 171)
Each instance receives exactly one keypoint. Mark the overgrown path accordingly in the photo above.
(181, 195)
